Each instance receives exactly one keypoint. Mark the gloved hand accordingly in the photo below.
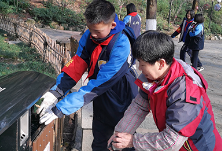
(49, 101)
(48, 117)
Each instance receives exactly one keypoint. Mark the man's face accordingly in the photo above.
(101, 30)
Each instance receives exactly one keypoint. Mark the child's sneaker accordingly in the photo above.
(200, 68)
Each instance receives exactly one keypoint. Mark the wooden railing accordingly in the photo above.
(51, 52)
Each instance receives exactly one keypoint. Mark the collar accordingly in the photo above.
(119, 26)
(133, 14)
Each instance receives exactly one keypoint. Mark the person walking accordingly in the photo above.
(196, 43)
(111, 84)
(133, 19)
(183, 30)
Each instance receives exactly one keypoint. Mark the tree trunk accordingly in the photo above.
(171, 2)
(195, 5)
(151, 14)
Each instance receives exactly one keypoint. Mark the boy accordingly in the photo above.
(176, 94)
(196, 39)
(133, 19)
(111, 84)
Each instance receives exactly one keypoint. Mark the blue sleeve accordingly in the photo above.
(82, 42)
(126, 19)
(196, 31)
(110, 73)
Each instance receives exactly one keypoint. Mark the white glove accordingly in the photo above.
(48, 117)
(47, 104)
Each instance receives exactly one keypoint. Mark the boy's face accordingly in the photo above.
(153, 71)
(101, 30)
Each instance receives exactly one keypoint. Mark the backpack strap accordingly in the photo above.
(128, 31)
(111, 44)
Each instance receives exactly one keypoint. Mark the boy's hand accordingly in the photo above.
(48, 117)
(122, 140)
(110, 141)
(49, 101)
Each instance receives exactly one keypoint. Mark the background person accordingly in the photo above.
(183, 30)
(196, 40)
(133, 19)
(176, 95)
(111, 84)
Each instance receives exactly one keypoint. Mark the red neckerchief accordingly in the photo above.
(133, 14)
(95, 54)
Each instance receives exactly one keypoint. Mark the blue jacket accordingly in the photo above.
(197, 37)
(111, 87)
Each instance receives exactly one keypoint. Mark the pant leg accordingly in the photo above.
(183, 52)
(199, 64)
(194, 58)
(102, 133)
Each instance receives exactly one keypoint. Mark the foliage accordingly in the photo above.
(5, 8)
(20, 57)
(58, 14)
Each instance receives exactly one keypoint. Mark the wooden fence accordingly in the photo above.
(48, 48)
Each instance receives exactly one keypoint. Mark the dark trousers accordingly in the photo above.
(184, 49)
(194, 58)
(102, 133)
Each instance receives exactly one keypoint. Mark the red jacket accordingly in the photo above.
(181, 102)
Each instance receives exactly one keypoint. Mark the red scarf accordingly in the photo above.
(95, 54)
(133, 14)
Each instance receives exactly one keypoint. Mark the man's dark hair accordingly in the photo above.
(192, 13)
(152, 46)
(130, 8)
(99, 11)
(199, 18)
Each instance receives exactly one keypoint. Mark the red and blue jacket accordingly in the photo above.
(182, 30)
(182, 103)
(133, 20)
(111, 85)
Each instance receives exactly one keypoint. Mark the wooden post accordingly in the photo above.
(74, 46)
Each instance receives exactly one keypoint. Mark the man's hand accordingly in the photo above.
(49, 101)
(48, 117)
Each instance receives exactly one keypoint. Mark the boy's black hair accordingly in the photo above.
(152, 46)
(199, 18)
(99, 11)
(192, 13)
(130, 8)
